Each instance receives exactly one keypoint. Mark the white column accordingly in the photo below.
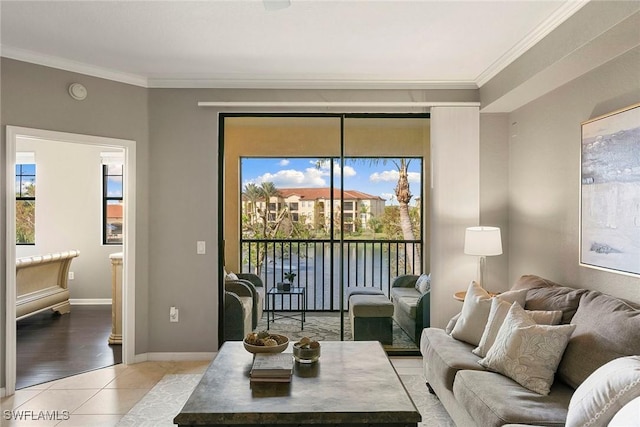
(455, 204)
(116, 298)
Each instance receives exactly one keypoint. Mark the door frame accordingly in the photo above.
(13, 133)
(221, 188)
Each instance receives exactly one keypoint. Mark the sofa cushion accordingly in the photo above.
(493, 400)
(406, 300)
(531, 281)
(445, 356)
(547, 295)
(498, 313)
(404, 292)
(527, 352)
(475, 312)
(370, 306)
(605, 392)
(606, 328)
(408, 305)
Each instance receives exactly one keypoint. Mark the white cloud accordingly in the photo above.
(283, 162)
(392, 176)
(310, 177)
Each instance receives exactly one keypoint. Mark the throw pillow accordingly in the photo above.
(423, 284)
(475, 312)
(230, 275)
(526, 352)
(498, 312)
(605, 392)
(452, 324)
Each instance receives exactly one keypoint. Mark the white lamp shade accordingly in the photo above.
(483, 241)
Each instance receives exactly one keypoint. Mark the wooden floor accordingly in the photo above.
(51, 346)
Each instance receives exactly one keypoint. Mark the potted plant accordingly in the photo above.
(290, 276)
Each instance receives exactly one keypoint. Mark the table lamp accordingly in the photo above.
(482, 242)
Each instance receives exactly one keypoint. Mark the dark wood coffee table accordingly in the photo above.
(353, 383)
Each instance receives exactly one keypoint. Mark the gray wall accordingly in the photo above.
(36, 97)
(494, 183)
(544, 176)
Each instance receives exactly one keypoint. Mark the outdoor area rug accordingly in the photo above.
(326, 327)
(158, 407)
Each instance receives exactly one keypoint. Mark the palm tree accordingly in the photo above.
(403, 195)
(268, 190)
(253, 193)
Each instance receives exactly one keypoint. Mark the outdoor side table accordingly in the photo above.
(300, 295)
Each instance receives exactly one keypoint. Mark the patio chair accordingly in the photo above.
(238, 309)
(254, 282)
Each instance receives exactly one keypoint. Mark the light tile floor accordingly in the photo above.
(102, 397)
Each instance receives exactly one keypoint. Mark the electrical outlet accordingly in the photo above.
(173, 314)
(72, 275)
(201, 247)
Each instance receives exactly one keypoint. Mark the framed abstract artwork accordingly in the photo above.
(610, 192)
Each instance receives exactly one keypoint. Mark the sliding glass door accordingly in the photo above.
(336, 200)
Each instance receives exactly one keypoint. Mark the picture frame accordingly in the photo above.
(610, 192)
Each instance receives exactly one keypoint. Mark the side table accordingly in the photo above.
(459, 296)
(271, 304)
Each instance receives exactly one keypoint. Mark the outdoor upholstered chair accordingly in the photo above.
(238, 309)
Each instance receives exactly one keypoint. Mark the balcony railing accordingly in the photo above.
(320, 266)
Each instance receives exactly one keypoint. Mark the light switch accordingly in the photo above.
(201, 247)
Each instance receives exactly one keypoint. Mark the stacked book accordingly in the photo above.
(272, 368)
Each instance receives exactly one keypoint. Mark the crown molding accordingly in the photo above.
(226, 82)
(564, 12)
(72, 66)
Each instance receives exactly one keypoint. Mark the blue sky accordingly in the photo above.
(377, 179)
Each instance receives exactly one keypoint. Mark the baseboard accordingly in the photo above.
(173, 356)
(90, 301)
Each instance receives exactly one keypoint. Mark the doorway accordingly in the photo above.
(83, 142)
(339, 222)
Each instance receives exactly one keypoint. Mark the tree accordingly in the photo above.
(268, 190)
(253, 193)
(26, 216)
(403, 194)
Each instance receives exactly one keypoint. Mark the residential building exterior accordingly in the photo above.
(312, 207)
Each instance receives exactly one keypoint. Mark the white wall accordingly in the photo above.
(69, 213)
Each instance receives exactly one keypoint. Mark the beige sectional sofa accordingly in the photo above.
(607, 329)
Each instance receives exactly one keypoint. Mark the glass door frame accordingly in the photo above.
(221, 196)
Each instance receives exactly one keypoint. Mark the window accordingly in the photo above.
(113, 207)
(293, 206)
(26, 202)
(348, 206)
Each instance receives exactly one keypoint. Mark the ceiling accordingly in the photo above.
(310, 44)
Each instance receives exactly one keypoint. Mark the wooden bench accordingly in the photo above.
(41, 283)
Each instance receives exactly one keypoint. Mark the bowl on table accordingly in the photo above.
(281, 340)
